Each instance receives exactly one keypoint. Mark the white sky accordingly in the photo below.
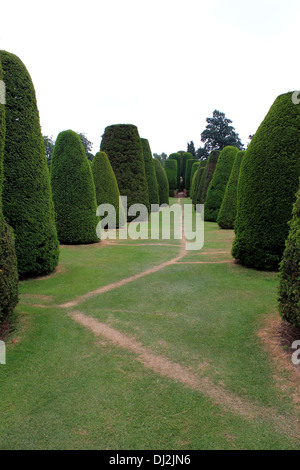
(163, 65)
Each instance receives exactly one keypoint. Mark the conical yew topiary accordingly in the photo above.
(122, 144)
(178, 158)
(27, 200)
(150, 173)
(73, 191)
(203, 180)
(216, 189)
(227, 212)
(289, 288)
(185, 157)
(8, 259)
(193, 177)
(268, 181)
(190, 162)
(171, 172)
(106, 186)
(163, 184)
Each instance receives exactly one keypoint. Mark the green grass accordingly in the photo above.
(64, 388)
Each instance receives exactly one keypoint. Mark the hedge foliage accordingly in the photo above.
(171, 172)
(163, 184)
(227, 212)
(107, 191)
(150, 173)
(216, 189)
(193, 177)
(73, 190)
(203, 181)
(8, 259)
(27, 199)
(122, 145)
(289, 286)
(185, 157)
(178, 158)
(188, 171)
(269, 178)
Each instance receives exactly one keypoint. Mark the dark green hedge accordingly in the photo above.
(150, 173)
(27, 200)
(204, 178)
(227, 212)
(289, 287)
(178, 158)
(106, 186)
(185, 157)
(193, 177)
(8, 259)
(269, 178)
(163, 184)
(73, 191)
(171, 172)
(188, 171)
(122, 144)
(216, 189)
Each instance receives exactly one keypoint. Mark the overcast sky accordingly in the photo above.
(159, 64)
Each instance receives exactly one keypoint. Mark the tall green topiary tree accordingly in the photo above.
(106, 186)
(289, 287)
(203, 181)
(73, 190)
(185, 157)
(227, 212)
(178, 158)
(8, 259)
(122, 144)
(193, 177)
(163, 184)
(189, 165)
(27, 199)
(216, 189)
(150, 173)
(171, 172)
(269, 178)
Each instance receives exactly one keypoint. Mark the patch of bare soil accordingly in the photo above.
(163, 366)
(278, 337)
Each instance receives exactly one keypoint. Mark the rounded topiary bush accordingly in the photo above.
(178, 158)
(189, 165)
(122, 144)
(163, 184)
(171, 172)
(289, 287)
(227, 212)
(27, 199)
(8, 259)
(107, 191)
(150, 173)
(216, 190)
(73, 191)
(268, 181)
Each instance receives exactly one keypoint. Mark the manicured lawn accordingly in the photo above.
(64, 387)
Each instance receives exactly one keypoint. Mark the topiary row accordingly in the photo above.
(189, 164)
(203, 180)
(171, 172)
(227, 212)
(150, 173)
(216, 189)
